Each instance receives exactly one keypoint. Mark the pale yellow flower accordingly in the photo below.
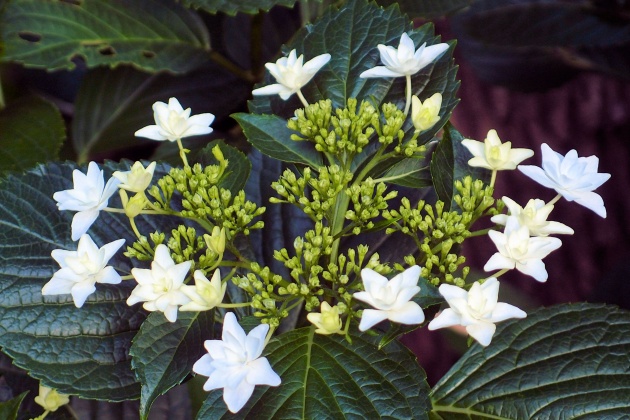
(50, 399)
(425, 114)
(327, 321)
(494, 155)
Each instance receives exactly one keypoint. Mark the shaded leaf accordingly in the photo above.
(113, 104)
(32, 132)
(163, 352)
(428, 9)
(232, 7)
(270, 135)
(153, 35)
(567, 361)
(82, 351)
(326, 374)
(238, 168)
(9, 409)
(409, 172)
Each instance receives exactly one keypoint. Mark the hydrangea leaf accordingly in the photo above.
(164, 352)
(32, 132)
(82, 351)
(428, 9)
(351, 35)
(409, 172)
(326, 374)
(9, 409)
(232, 7)
(270, 135)
(238, 168)
(153, 35)
(566, 361)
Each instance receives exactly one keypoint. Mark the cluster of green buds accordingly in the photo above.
(368, 200)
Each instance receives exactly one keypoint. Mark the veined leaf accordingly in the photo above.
(164, 352)
(428, 9)
(238, 168)
(82, 351)
(232, 7)
(326, 374)
(409, 172)
(270, 135)
(564, 362)
(153, 35)
(32, 132)
(9, 409)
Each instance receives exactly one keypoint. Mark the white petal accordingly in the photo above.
(255, 341)
(232, 331)
(58, 285)
(538, 175)
(370, 318)
(261, 373)
(274, 89)
(498, 262)
(152, 132)
(81, 291)
(163, 257)
(482, 332)
(315, 64)
(81, 222)
(380, 71)
(171, 313)
(534, 268)
(203, 365)
(431, 52)
(372, 281)
(236, 398)
(109, 275)
(592, 201)
(409, 314)
(505, 311)
(447, 318)
(451, 292)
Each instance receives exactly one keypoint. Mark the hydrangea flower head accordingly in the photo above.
(534, 216)
(137, 179)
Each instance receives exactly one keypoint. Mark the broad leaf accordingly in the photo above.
(428, 9)
(153, 35)
(238, 168)
(82, 351)
(32, 132)
(113, 104)
(326, 374)
(558, 24)
(351, 35)
(270, 135)
(164, 352)
(409, 172)
(567, 361)
(450, 163)
(232, 7)
(9, 409)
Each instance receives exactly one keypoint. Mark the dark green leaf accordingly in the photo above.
(113, 104)
(557, 24)
(32, 132)
(409, 172)
(450, 163)
(270, 135)
(82, 351)
(429, 295)
(564, 362)
(238, 168)
(153, 34)
(428, 9)
(326, 374)
(351, 35)
(232, 7)
(9, 409)
(163, 352)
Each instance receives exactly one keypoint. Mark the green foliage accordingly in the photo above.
(409, 172)
(52, 34)
(83, 351)
(32, 132)
(238, 166)
(324, 374)
(567, 361)
(9, 409)
(428, 8)
(232, 7)
(164, 352)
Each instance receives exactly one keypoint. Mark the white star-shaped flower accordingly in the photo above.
(291, 73)
(494, 155)
(573, 177)
(518, 250)
(477, 310)
(404, 60)
(205, 294)
(137, 179)
(534, 216)
(173, 123)
(160, 288)
(327, 320)
(82, 269)
(89, 196)
(425, 114)
(234, 363)
(391, 298)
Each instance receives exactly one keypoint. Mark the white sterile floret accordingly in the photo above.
(534, 216)
(327, 320)
(573, 177)
(89, 196)
(205, 294)
(391, 298)
(173, 123)
(425, 114)
(404, 60)
(137, 179)
(82, 269)
(160, 288)
(50, 399)
(518, 250)
(477, 309)
(291, 74)
(494, 155)
(234, 363)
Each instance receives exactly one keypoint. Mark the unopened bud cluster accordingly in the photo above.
(368, 200)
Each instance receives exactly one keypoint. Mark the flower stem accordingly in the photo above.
(269, 335)
(234, 305)
(500, 273)
(408, 94)
(555, 199)
(493, 178)
(182, 152)
(302, 98)
(134, 227)
(129, 277)
(479, 232)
